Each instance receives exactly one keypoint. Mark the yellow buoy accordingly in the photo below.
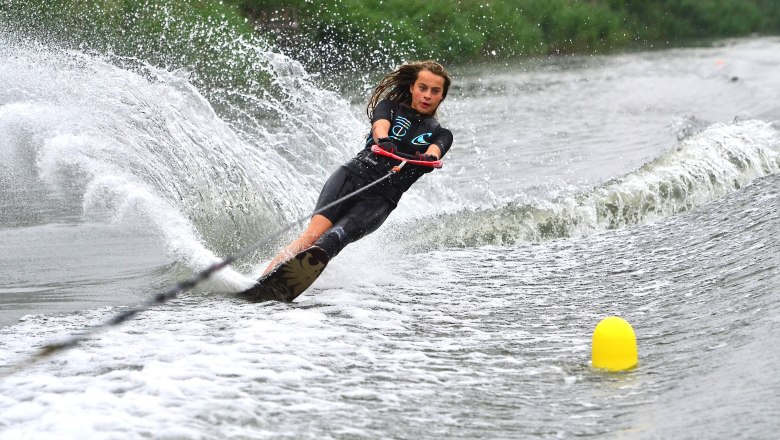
(614, 345)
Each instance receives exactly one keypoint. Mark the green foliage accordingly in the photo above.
(131, 27)
(571, 26)
(770, 11)
(665, 20)
(210, 40)
(367, 34)
(372, 31)
(377, 32)
(171, 34)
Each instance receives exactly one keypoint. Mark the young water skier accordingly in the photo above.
(402, 110)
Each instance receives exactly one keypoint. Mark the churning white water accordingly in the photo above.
(643, 185)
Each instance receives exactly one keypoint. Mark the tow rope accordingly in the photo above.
(188, 284)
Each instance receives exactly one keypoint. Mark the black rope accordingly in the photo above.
(181, 287)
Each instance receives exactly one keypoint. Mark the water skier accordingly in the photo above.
(402, 110)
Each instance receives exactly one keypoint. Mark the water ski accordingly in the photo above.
(291, 278)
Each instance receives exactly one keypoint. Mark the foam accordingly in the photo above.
(720, 160)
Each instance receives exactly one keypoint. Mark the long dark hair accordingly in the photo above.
(395, 86)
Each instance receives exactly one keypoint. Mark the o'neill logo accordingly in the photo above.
(422, 139)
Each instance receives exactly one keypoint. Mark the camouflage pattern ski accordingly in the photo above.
(291, 278)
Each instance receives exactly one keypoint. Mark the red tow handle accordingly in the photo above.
(435, 164)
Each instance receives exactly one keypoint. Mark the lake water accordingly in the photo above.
(644, 185)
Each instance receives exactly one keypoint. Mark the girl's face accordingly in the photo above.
(427, 92)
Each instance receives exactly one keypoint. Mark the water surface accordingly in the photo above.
(643, 185)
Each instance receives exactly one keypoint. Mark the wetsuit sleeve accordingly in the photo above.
(444, 140)
(383, 110)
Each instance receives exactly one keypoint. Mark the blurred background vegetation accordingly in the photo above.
(467, 30)
(336, 35)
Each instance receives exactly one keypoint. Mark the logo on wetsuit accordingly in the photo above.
(421, 139)
(401, 128)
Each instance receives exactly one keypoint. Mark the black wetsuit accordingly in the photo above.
(364, 213)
